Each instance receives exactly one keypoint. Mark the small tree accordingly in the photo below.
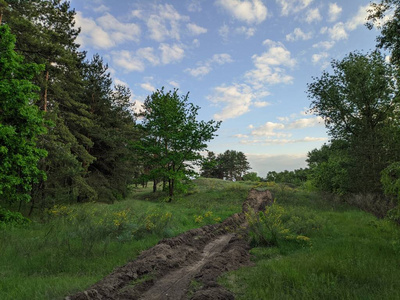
(20, 123)
(172, 138)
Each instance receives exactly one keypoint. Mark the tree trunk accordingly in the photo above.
(171, 183)
(154, 185)
(45, 92)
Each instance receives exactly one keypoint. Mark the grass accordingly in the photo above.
(353, 256)
(74, 246)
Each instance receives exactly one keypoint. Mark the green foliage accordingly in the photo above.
(353, 256)
(359, 105)
(231, 165)
(172, 137)
(73, 246)
(12, 218)
(276, 226)
(391, 180)
(252, 176)
(20, 123)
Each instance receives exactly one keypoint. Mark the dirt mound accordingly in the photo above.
(167, 270)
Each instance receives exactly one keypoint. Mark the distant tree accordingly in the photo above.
(172, 137)
(252, 176)
(231, 165)
(360, 105)
(209, 166)
(21, 123)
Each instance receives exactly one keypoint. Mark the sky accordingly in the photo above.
(246, 63)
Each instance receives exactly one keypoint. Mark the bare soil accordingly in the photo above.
(186, 266)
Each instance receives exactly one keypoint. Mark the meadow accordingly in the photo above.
(309, 247)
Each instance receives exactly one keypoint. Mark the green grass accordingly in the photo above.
(353, 256)
(75, 246)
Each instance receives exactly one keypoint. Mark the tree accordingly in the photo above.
(21, 123)
(360, 105)
(389, 37)
(230, 165)
(172, 138)
(252, 176)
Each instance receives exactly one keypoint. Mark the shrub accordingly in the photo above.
(12, 218)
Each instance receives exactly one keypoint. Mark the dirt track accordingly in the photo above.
(167, 270)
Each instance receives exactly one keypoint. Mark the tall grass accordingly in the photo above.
(354, 255)
(72, 247)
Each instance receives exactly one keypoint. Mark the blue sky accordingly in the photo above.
(245, 62)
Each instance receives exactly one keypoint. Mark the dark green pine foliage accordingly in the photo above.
(46, 35)
(112, 131)
(21, 123)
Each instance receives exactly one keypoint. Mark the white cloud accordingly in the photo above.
(205, 67)
(101, 9)
(120, 82)
(334, 12)
(119, 32)
(298, 34)
(337, 32)
(171, 53)
(249, 11)
(128, 61)
(223, 31)
(174, 84)
(195, 29)
(163, 22)
(92, 34)
(293, 6)
(148, 87)
(241, 136)
(148, 54)
(268, 129)
(313, 15)
(237, 99)
(283, 141)
(106, 32)
(272, 129)
(359, 19)
(199, 71)
(222, 58)
(305, 123)
(247, 31)
(324, 45)
(268, 65)
(194, 6)
(260, 104)
(318, 57)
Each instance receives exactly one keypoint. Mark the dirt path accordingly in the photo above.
(167, 270)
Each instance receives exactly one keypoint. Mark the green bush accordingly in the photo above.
(12, 218)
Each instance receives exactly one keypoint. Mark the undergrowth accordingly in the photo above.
(71, 247)
(351, 254)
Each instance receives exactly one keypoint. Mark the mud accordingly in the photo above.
(186, 266)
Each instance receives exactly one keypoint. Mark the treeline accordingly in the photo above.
(66, 133)
(230, 165)
(359, 101)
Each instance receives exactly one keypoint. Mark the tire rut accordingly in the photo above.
(166, 270)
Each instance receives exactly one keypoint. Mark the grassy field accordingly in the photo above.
(310, 248)
(349, 255)
(72, 247)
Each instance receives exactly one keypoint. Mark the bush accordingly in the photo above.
(390, 180)
(12, 218)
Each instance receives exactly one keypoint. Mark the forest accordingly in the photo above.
(71, 142)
